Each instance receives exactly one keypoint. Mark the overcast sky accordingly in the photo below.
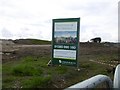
(33, 18)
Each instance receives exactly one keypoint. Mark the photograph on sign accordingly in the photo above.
(65, 37)
(65, 32)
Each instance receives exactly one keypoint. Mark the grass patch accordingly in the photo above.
(31, 41)
(36, 82)
(27, 67)
(36, 41)
(61, 69)
(33, 72)
(7, 82)
(28, 59)
(85, 65)
(8, 79)
(26, 70)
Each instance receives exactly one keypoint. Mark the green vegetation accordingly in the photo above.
(28, 72)
(61, 69)
(36, 82)
(31, 41)
(36, 41)
(33, 72)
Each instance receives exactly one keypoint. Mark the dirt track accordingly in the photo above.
(32, 46)
(18, 51)
(87, 50)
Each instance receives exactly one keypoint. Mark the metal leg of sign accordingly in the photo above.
(78, 69)
(49, 63)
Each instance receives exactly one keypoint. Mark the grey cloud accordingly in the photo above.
(36, 24)
(8, 8)
(89, 7)
(15, 13)
(32, 21)
(104, 35)
(6, 33)
(6, 3)
(23, 34)
(48, 21)
(26, 32)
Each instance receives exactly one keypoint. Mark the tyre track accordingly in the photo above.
(103, 63)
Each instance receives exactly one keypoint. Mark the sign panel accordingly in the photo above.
(65, 41)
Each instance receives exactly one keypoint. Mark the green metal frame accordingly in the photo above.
(56, 60)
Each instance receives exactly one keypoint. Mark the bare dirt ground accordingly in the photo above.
(16, 52)
(87, 51)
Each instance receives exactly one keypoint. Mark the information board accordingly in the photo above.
(65, 41)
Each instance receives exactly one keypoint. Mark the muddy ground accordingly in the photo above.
(87, 51)
(15, 52)
(19, 51)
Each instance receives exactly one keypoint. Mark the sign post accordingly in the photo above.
(65, 41)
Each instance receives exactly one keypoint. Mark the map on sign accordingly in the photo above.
(65, 41)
